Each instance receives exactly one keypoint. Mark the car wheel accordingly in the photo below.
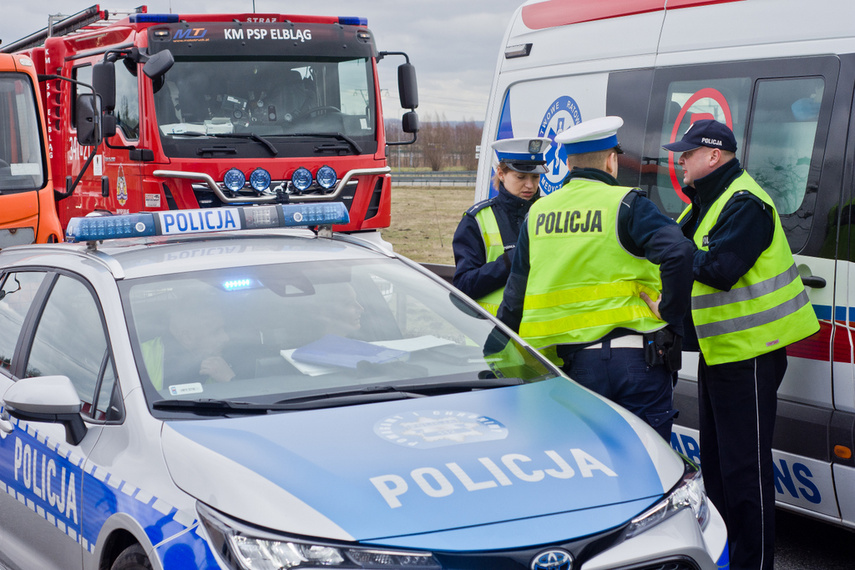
(132, 558)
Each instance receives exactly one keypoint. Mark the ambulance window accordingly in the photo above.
(16, 295)
(722, 99)
(783, 129)
(70, 340)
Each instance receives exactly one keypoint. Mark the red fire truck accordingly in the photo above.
(210, 110)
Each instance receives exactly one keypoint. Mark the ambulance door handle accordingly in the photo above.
(814, 281)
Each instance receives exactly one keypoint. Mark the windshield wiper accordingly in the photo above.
(273, 150)
(459, 385)
(338, 136)
(344, 398)
(332, 399)
(210, 406)
(400, 391)
(252, 136)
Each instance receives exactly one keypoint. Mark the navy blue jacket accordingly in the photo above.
(472, 274)
(744, 230)
(642, 230)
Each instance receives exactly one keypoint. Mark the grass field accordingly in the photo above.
(424, 220)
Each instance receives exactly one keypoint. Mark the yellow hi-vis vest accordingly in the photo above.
(582, 283)
(494, 248)
(768, 308)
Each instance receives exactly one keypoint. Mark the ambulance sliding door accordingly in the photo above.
(781, 113)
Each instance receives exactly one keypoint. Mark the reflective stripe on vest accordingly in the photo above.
(768, 308)
(583, 284)
(494, 249)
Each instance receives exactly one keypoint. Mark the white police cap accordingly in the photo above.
(523, 154)
(591, 136)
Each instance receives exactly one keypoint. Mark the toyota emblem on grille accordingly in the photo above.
(552, 560)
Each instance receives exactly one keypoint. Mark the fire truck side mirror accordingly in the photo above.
(88, 121)
(408, 89)
(104, 81)
(410, 122)
(158, 64)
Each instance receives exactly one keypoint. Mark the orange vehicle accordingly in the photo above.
(27, 208)
(218, 110)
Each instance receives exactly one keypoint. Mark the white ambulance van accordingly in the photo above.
(781, 74)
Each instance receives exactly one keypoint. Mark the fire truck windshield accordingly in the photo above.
(283, 101)
(22, 164)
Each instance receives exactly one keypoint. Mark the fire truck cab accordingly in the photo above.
(242, 109)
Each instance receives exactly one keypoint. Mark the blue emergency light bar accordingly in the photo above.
(352, 21)
(178, 222)
(153, 18)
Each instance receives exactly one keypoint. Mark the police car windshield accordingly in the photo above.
(301, 335)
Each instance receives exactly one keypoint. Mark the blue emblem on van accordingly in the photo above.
(562, 114)
(552, 560)
(437, 428)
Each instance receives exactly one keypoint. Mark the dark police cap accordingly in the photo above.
(706, 132)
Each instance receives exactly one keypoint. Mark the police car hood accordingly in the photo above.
(498, 468)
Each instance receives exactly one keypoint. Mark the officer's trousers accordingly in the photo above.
(737, 405)
(623, 376)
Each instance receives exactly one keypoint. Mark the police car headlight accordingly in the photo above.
(248, 548)
(688, 494)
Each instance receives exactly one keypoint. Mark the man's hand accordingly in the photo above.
(654, 305)
(216, 368)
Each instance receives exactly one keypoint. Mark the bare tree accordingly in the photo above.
(440, 144)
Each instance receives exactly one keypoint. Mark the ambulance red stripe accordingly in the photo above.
(553, 13)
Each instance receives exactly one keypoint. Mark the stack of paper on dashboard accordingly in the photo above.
(333, 350)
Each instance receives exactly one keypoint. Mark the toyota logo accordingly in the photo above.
(552, 560)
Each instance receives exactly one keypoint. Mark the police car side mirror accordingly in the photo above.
(88, 119)
(51, 399)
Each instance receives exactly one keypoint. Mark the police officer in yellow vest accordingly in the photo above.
(748, 304)
(585, 280)
(484, 241)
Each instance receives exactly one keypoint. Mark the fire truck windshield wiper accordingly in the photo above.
(273, 150)
(338, 136)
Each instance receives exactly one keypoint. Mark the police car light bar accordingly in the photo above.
(176, 222)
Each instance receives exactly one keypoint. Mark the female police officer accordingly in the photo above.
(485, 238)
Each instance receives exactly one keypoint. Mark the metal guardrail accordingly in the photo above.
(431, 178)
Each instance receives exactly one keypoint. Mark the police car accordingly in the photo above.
(276, 397)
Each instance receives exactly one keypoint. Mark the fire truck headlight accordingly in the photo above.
(234, 180)
(301, 179)
(326, 177)
(259, 180)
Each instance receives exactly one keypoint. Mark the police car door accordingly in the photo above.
(60, 332)
(782, 113)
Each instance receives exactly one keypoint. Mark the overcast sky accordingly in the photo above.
(454, 44)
